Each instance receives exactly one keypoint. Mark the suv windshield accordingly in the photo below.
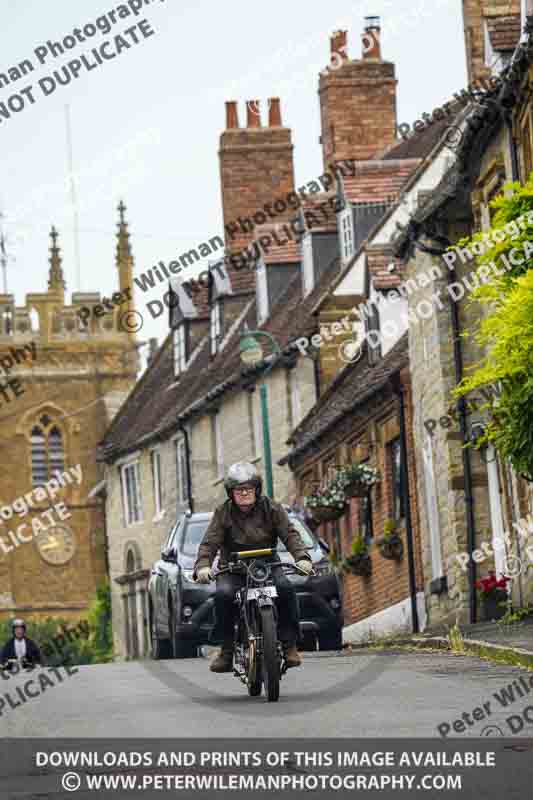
(194, 532)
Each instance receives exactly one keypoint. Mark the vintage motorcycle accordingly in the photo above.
(258, 655)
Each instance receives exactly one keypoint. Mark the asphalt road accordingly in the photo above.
(358, 694)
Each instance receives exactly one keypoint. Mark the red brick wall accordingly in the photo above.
(389, 582)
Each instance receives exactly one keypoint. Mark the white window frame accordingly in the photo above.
(346, 234)
(180, 355)
(308, 277)
(181, 471)
(215, 327)
(130, 476)
(155, 463)
(262, 293)
(432, 508)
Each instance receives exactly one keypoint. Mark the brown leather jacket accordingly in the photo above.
(230, 529)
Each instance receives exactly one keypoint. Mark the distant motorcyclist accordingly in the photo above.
(20, 648)
(247, 521)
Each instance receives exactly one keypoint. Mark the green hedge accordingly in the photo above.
(69, 643)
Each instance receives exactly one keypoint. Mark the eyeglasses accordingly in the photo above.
(244, 490)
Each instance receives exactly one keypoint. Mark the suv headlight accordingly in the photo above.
(187, 575)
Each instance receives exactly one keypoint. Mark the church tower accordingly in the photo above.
(64, 372)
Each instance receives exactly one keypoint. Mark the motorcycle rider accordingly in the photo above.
(249, 520)
(20, 648)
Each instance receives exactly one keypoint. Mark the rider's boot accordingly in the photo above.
(223, 661)
(292, 657)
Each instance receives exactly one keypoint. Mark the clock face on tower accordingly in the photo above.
(57, 545)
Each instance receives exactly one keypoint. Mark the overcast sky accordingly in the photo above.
(164, 99)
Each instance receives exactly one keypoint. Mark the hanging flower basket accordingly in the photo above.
(391, 547)
(327, 513)
(359, 561)
(390, 544)
(356, 488)
(357, 479)
(328, 504)
(358, 565)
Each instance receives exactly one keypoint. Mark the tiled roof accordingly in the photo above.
(421, 143)
(157, 401)
(352, 387)
(379, 180)
(282, 249)
(504, 32)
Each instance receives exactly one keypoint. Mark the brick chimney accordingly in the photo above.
(256, 169)
(357, 99)
(371, 38)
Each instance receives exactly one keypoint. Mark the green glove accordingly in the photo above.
(305, 565)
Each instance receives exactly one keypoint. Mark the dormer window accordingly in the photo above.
(262, 293)
(347, 239)
(180, 350)
(308, 273)
(216, 327)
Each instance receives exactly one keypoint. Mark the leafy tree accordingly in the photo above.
(505, 330)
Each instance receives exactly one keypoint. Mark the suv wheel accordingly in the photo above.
(161, 648)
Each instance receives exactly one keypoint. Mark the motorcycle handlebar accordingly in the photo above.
(291, 567)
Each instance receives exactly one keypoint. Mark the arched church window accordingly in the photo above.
(47, 450)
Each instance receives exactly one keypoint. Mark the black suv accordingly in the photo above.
(182, 611)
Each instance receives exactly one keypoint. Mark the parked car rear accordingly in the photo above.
(182, 611)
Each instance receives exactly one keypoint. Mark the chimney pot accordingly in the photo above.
(232, 119)
(253, 114)
(274, 113)
(371, 38)
(339, 44)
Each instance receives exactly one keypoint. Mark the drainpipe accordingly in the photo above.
(467, 466)
(399, 391)
(190, 498)
(512, 148)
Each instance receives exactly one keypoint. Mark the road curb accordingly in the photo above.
(515, 656)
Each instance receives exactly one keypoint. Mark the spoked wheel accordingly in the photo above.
(255, 678)
(270, 664)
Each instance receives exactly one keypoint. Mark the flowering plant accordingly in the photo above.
(332, 496)
(491, 585)
(357, 472)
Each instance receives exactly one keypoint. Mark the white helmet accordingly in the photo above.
(243, 474)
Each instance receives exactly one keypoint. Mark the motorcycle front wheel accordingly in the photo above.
(255, 678)
(270, 665)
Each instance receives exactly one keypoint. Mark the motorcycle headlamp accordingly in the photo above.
(259, 572)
